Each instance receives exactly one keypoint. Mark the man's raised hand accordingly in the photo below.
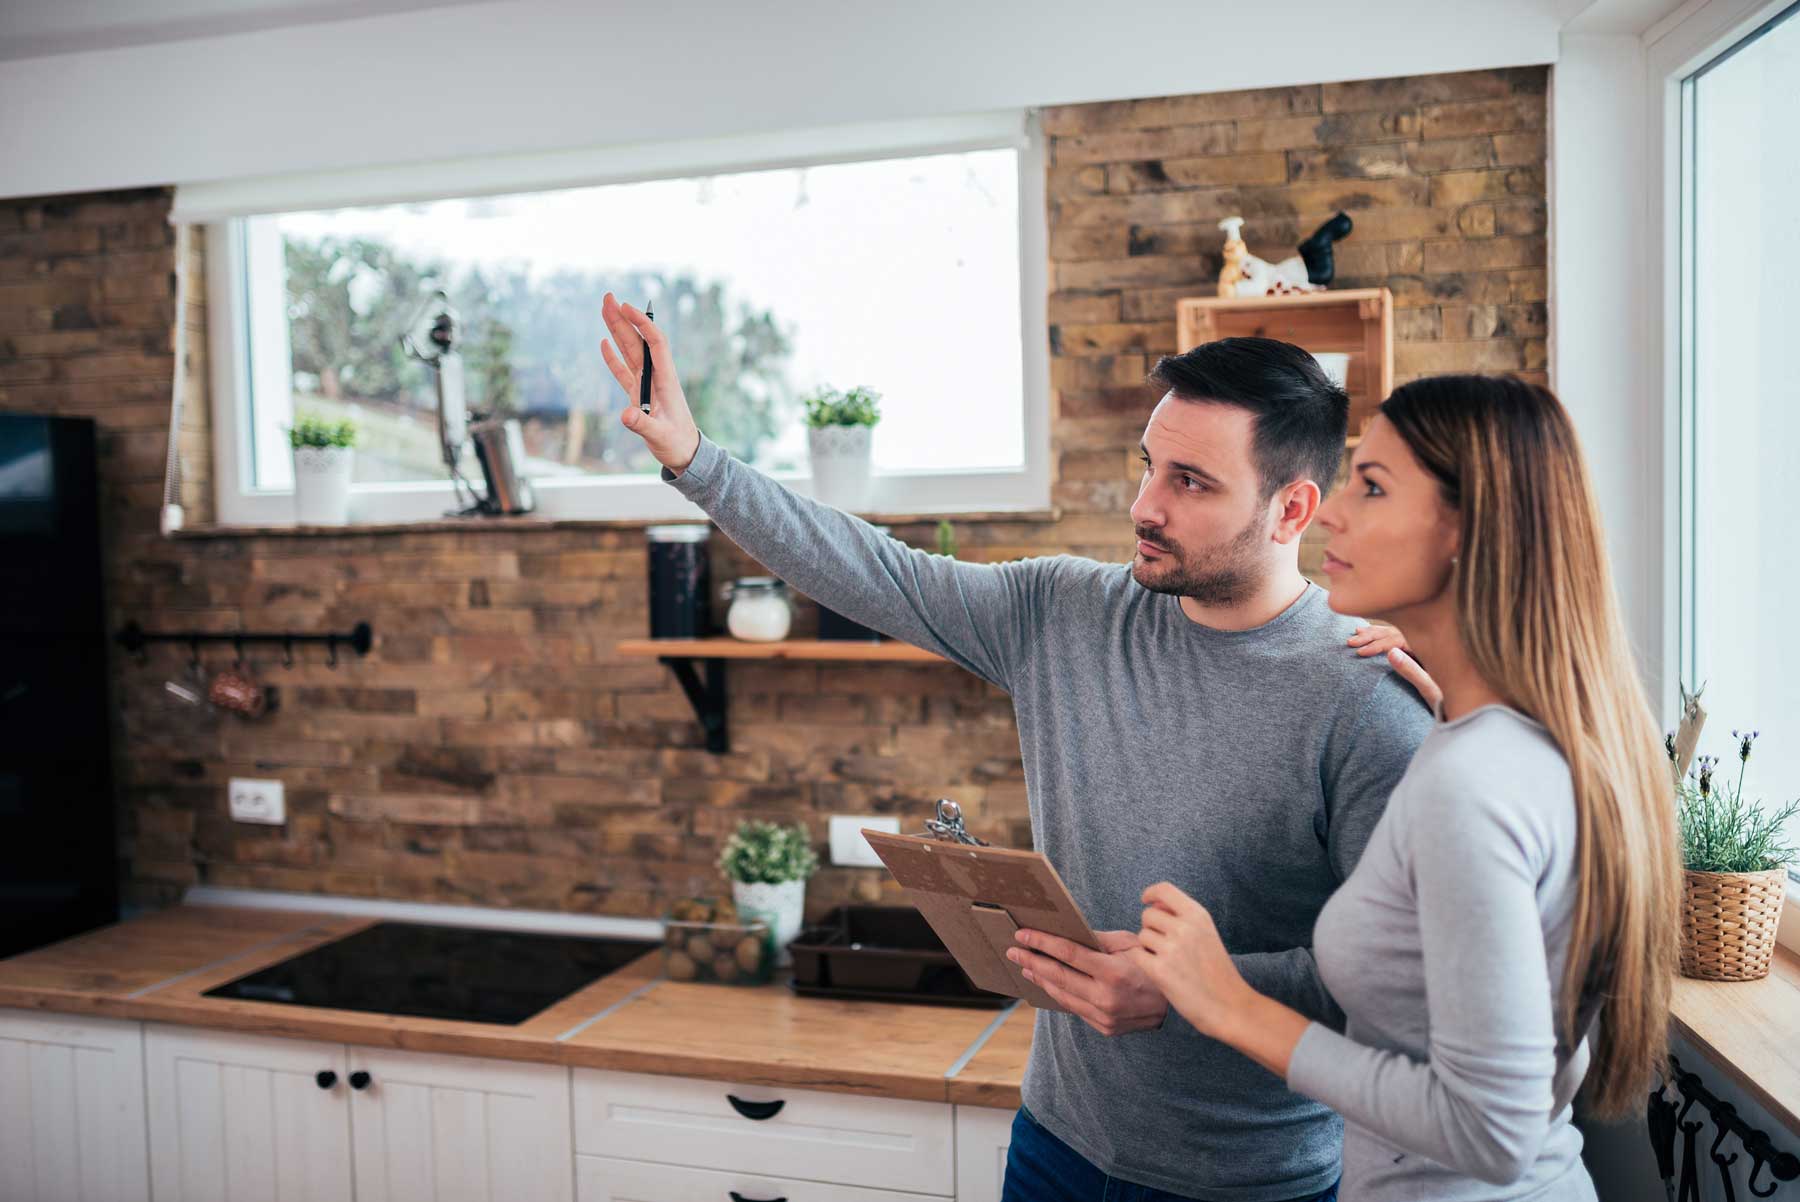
(668, 429)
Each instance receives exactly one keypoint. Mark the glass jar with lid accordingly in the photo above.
(760, 609)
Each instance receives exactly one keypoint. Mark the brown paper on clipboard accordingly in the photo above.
(976, 897)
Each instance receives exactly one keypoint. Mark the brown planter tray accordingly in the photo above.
(882, 953)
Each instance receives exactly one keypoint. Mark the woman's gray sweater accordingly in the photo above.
(1445, 949)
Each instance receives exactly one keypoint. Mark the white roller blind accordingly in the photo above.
(221, 200)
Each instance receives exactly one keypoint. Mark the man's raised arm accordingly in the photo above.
(978, 615)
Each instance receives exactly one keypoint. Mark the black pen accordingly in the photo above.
(644, 380)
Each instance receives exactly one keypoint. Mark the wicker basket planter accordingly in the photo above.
(1728, 922)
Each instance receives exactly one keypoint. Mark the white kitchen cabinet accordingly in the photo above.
(245, 1118)
(71, 1109)
(248, 1118)
(790, 1134)
(456, 1129)
(983, 1135)
(604, 1179)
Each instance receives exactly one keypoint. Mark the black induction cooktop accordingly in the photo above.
(464, 973)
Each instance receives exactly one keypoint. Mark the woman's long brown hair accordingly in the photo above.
(1540, 620)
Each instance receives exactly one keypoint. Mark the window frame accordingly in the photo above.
(246, 347)
(1679, 51)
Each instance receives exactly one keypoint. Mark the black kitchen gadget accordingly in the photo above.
(882, 953)
(467, 974)
(680, 581)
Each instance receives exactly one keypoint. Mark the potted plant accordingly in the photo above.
(324, 453)
(1736, 870)
(839, 426)
(768, 866)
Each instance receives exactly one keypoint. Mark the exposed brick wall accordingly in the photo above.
(493, 749)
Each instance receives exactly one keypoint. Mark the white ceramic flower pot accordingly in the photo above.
(322, 485)
(840, 465)
(781, 906)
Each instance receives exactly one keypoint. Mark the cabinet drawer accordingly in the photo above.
(603, 1179)
(802, 1134)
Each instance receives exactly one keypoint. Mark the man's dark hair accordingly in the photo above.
(1301, 416)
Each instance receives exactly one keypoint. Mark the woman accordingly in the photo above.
(1523, 881)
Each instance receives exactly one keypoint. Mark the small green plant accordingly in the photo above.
(767, 854)
(858, 407)
(946, 538)
(310, 430)
(1720, 830)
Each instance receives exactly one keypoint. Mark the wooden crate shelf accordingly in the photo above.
(1358, 322)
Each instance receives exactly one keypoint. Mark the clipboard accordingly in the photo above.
(977, 897)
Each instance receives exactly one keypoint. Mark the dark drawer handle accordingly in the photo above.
(755, 1110)
(360, 1079)
(326, 1078)
(737, 1197)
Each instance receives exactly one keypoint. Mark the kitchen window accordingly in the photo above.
(908, 259)
(1740, 399)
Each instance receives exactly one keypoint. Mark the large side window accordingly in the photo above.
(1740, 362)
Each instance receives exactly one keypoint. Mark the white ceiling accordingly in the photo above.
(34, 28)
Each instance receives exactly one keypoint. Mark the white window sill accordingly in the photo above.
(535, 522)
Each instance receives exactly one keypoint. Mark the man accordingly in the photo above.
(1191, 717)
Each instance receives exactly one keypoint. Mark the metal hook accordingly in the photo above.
(237, 648)
(331, 650)
(1723, 1116)
(1690, 1170)
(1763, 1152)
(287, 651)
(194, 654)
(1756, 1169)
(1687, 1102)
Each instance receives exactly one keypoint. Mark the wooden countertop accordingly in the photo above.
(993, 1073)
(1751, 1031)
(157, 969)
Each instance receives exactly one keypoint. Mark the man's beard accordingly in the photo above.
(1225, 575)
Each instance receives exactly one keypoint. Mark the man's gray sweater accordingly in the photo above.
(1247, 767)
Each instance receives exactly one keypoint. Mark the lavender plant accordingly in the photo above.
(1721, 831)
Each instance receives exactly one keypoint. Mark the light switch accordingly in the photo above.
(849, 848)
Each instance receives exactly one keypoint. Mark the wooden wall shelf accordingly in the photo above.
(1355, 321)
(708, 696)
(835, 650)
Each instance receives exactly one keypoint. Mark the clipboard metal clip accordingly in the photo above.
(948, 825)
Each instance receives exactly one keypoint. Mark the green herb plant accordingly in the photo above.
(309, 430)
(946, 538)
(1720, 830)
(767, 854)
(860, 406)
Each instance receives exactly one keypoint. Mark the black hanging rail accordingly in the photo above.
(359, 639)
(1666, 1118)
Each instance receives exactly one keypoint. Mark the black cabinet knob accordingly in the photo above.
(755, 1110)
(326, 1079)
(360, 1079)
(737, 1197)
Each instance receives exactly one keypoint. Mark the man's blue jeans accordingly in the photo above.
(1042, 1168)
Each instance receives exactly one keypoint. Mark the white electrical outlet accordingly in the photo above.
(257, 800)
(848, 847)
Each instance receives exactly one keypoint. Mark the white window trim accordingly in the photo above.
(1675, 48)
(242, 354)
